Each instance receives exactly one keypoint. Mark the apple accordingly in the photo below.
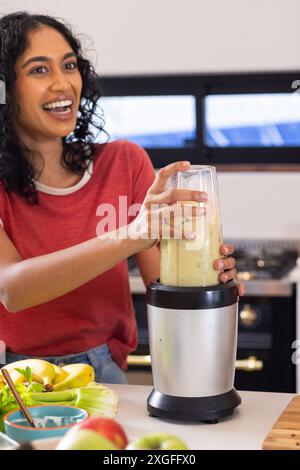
(108, 428)
(95, 433)
(158, 441)
(84, 439)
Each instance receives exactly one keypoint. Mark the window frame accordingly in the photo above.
(201, 85)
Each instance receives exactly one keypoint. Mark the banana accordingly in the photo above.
(79, 375)
(41, 370)
(60, 375)
(2, 382)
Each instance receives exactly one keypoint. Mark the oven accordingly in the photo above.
(266, 328)
(267, 325)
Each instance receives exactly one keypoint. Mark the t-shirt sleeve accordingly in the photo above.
(143, 175)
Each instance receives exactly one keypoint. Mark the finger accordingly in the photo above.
(174, 195)
(164, 174)
(175, 227)
(160, 221)
(228, 275)
(226, 263)
(177, 213)
(227, 249)
(241, 289)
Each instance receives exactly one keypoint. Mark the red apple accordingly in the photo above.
(108, 428)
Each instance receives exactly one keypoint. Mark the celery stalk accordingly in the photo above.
(96, 399)
(64, 395)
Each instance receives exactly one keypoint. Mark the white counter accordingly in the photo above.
(245, 429)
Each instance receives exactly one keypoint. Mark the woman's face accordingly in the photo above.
(48, 86)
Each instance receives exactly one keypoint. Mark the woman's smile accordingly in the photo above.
(61, 108)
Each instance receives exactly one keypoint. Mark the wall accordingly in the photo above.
(260, 205)
(172, 36)
(162, 36)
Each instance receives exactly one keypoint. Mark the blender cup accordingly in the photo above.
(190, 262)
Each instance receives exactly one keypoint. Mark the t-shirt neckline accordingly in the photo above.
(44, 188)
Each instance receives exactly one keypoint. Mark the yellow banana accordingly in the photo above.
(40, 369)
(79, 375)
(60, 375)
(2, 383)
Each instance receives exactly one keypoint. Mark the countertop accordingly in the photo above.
(245, 429)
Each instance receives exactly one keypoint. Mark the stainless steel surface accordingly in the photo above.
(193, 351)
(267, 288)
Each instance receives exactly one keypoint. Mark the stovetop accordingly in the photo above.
(257, 260)
(264, 264)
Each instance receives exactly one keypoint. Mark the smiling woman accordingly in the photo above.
(64, 292)
(46, 64)
(54, 84)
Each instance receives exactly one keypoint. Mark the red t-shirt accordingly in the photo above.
(100, 311)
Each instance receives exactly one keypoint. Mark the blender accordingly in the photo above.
(192, 318)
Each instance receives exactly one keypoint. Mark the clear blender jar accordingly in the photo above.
(190, 262)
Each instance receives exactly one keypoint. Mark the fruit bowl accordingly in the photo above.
(51, 421)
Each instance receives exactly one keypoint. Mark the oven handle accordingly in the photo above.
(248, 365)
(251, 364)
(133, 360)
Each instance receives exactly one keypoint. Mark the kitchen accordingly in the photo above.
(210, 48)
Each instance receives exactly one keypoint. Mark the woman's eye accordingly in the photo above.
(71, 65)
(39, 70)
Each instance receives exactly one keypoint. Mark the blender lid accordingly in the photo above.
(192, 298)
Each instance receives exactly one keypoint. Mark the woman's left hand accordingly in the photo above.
(227, 267)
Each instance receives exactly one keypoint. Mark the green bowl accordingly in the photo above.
(55, 420)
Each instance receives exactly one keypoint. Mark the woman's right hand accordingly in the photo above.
(160, 208)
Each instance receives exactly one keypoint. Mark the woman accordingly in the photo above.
(64, 290)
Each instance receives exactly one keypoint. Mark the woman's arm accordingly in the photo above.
(148, 262)
(26, 283)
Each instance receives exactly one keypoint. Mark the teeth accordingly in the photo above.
(58, 104)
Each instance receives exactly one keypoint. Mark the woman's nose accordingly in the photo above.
(59, 82)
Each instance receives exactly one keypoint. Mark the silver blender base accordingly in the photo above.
(193, 409)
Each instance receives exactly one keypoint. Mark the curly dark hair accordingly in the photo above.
(16, 171)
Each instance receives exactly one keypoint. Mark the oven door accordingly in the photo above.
(267, 329)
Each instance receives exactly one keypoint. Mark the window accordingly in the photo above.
(207, 119)
(152, 121)
(252, 120)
